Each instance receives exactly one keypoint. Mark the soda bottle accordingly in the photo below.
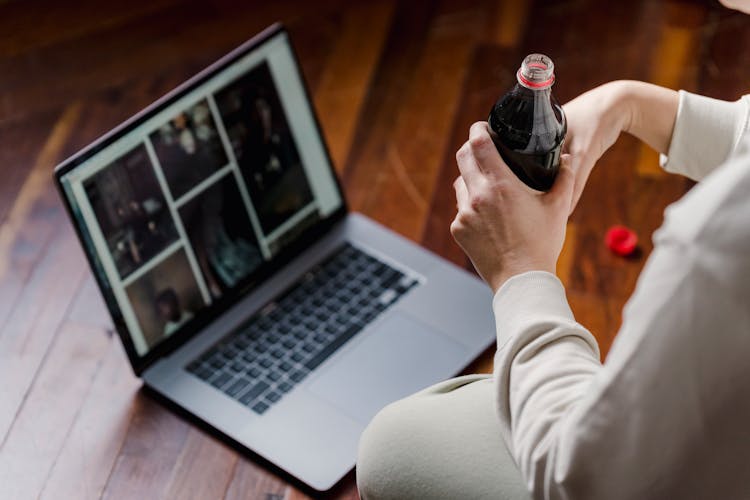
(528, 124)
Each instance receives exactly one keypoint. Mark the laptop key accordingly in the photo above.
(204, 373)
(285, 366)
(393, 278)
(248, 357)
(285, 387)
(260, 408)
(380, 269)
(298, 375)
(368, 316)
(333, 346)
(253, 393)
(308, 347)
(272, 339)
(273, 396)
(221, 380)
(237, 387)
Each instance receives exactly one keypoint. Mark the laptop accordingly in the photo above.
(243, 289)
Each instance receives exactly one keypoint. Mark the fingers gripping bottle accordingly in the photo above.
(528, 124)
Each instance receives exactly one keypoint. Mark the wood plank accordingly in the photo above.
(25, 340)
(399, 56)
(252, 481)
(49, 411)
(25, 139)
(340, 94)
(42, 27)
(724, 69)
(510, 21)
(25, 219)
(89, 309)
(396, 178)
(599, 314)
(92, 444)
(673, 65)
(566, 261)
(151, 43)
(154, 441)
(203, 469)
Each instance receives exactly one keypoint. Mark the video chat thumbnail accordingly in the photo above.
(165, 298)
(221, 235)
(189, 148)
(264, 147)
(131, 210)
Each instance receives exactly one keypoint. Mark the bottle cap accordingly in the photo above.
(621, 240)
(537, 72)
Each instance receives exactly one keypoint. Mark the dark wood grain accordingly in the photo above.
(397, 85)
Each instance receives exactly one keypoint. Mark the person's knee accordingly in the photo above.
(382, 457)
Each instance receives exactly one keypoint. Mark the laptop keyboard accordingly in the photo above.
(273, 351)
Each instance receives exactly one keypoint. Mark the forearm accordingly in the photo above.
(695, 133)
(543, 368)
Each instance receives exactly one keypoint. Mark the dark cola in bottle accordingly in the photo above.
(528, 124)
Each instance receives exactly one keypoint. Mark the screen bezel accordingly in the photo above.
(138, 362)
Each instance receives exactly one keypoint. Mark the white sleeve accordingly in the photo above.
(666, 415)
(706, 132)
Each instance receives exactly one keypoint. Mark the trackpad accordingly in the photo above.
(401, 357)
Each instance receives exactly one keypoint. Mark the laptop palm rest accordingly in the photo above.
(401, 357)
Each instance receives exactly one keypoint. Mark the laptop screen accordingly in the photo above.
(184, 209)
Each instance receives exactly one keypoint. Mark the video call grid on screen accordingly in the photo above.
(193, 200)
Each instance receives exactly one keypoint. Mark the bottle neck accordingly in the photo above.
(533, 93)
(537, 72)
(534, 85)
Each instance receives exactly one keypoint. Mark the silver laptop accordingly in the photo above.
(242, 288)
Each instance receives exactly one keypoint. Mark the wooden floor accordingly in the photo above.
(396, 84)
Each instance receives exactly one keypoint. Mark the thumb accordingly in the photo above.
(562, 189)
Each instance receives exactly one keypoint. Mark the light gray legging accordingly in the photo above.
(442, 442)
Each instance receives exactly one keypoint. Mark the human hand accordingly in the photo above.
(505, 227)
(595, 120)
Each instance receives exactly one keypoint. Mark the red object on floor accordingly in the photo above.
(621, 240)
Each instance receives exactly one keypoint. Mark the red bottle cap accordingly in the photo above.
(621, 240)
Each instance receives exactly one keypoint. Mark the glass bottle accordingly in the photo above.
(528, 124)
